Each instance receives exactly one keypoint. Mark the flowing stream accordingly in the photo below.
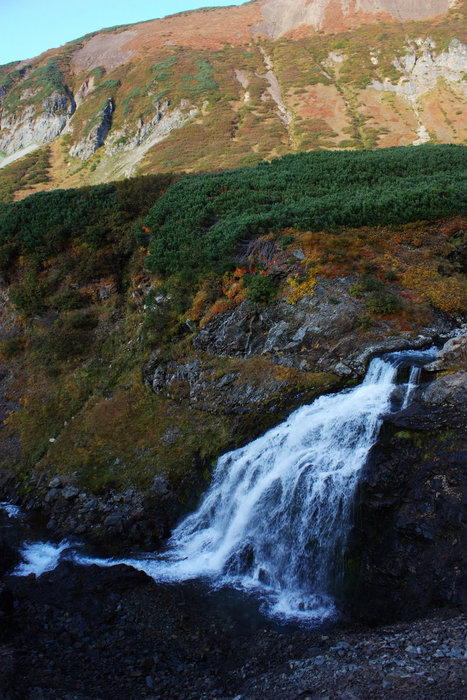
(276, 516)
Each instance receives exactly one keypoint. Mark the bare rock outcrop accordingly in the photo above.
(97, 135)
(421, 68)
(106, 50)
(36, 125)
(321, 333)
(132, 150)
(452, 356)
(284, 16)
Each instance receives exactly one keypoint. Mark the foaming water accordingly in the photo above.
(39, 557)
(11, 510)
(276, 516)
(414, 377)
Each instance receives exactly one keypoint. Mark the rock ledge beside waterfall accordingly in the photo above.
(408, 549)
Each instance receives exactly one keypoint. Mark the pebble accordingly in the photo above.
(403, 657)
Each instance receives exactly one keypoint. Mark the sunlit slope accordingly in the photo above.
(208, 90)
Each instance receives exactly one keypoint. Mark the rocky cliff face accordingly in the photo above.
(35, 125)
(97, 135)
(314, 334)
(409, 545)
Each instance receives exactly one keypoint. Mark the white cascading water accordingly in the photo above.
(277, 511)
(414, 377)
(276, 516)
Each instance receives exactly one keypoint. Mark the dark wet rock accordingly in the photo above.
(408, 551)
(8, 668)
(114, 519)
(237, 388)
(160, 486)
(69, 493)
(9, 557)
(6, 603)
(89, 632)
(114, 522)
(450, 389)
(52, 495)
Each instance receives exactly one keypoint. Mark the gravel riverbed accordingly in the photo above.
(84, 632)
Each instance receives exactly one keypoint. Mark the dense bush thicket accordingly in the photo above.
(40, 225)
(199, 221)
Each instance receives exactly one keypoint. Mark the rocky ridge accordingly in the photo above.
(34, 127)
(283, 17)
(97, 135)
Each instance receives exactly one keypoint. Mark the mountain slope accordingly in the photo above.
(124, 375)
(224, 87)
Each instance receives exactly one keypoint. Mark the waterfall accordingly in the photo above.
(414, 377)
(276, 515)
(277, 512)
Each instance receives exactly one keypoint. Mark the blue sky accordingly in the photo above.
(29, 27)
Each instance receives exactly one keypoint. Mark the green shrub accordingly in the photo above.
(286, 241)
(70, 337)
(95, 236)
(67, 300)
(29, 296)
(108, 85)
(39, 226)
(41, 82)
(31, 169)
(261, 289)
(11, 347)
(371, 283)
(81, 320)
(356, 291)
(365, 322)
(8, 253)
(383, 303)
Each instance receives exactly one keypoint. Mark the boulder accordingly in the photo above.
(450, 389)
(452, 356)
(69, 493)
